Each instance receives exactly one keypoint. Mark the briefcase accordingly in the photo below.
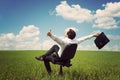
(101, 40)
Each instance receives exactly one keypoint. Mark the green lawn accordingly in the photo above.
(86, 65)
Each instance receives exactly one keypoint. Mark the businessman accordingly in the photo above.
(56, 50)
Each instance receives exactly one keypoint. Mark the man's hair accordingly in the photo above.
(71, 34)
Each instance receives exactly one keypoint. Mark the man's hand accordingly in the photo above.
(49, 33)
(96, 34)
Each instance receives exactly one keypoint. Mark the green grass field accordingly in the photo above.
(86, 65)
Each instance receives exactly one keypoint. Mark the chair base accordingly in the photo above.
(61, 72)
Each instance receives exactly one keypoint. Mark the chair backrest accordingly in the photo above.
(69, 52)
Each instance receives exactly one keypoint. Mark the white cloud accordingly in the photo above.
(114, 37)
(103, 18)
(112, 47)
(105, 48)
(28, 38)
(23, 41)
(106, 18)
(73, 12)
(47, 44)
(7, 41)
(115, 48)
(87, 47)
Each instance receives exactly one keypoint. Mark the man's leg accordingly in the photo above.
(53, 49)
(48, 57)
(47, 66)
(47, 60)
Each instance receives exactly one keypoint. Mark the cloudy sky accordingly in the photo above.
(24, 23)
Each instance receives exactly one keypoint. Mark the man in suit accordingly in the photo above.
(56, 50)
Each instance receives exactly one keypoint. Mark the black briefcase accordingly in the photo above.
(101, 40)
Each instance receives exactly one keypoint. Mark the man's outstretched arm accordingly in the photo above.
(55, 38)
(88, 37)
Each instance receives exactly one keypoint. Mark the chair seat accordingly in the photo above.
(64, 63)
(56, 60)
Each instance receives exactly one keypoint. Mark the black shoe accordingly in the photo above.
(39, 58)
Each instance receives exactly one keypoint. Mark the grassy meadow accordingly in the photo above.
(86, 65)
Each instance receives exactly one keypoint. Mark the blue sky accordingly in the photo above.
(17, 17)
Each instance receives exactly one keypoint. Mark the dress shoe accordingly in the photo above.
(39, 58)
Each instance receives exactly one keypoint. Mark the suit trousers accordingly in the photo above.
(49, 57)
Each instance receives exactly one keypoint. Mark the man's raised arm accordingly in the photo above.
(55, 38)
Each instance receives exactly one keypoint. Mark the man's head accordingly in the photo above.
(71, 34)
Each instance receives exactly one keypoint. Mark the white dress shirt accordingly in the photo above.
(63, 42)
